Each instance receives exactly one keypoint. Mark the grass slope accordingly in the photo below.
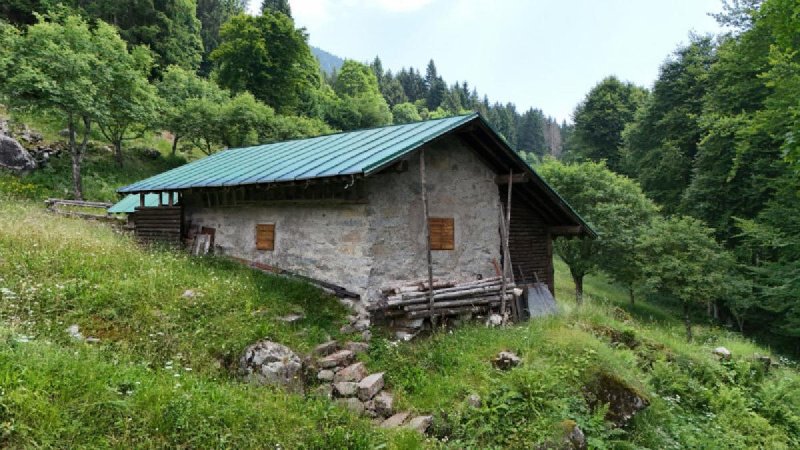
(161, 374)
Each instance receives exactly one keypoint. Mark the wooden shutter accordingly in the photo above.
(442, 233)
(265, 236)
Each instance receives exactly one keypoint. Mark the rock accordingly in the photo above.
(326, 348)
(573, 435)
(357, 347)
(369, 386)
(623, 400)
(395, 421)
(420, 424)
(64, 133)
(765, 361)
(340, 358)
(267, 362)
(352, 403)
(354, 372)
(92, 340)
(722, 352)
(292, 318)
(506, 361)
(324, 391)
(325, 375)
(382, 404)
(14, 157)
(366, 335)
(189, 293)
(345, 388)
(474, 401)
(494, 320)
(347, 329)
(74, 332)
(403, 335)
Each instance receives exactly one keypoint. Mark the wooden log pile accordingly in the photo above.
(412, 301)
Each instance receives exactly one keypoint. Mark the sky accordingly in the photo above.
(533, 53)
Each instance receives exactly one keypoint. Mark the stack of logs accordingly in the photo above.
(412, 301)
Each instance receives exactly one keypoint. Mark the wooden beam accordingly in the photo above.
(515, 178)
(565, 230)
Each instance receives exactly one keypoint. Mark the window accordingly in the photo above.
(265, 236)
(442, 233)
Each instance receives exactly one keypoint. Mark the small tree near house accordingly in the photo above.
(680, 257)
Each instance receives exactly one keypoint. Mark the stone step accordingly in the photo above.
(369, 386)
(419, 423)
(382, 404)
(326, 348)
(354, 372)
(340, 358)
(345, 389)
(396, 420)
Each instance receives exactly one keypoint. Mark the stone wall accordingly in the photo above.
(363, 247)
(460, 186)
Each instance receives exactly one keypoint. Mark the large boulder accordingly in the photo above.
(623, 400)
(14, 157)
(267, 362)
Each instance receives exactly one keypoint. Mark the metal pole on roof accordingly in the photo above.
(427, 233)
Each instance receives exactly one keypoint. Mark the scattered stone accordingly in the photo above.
(347, 329)
(267, 362)
(64, 133)
(354, 372)
(401, 335)
(396, 420)
(369, 386)
(722, 352)
(382, 404)
(494, 320)
(506, 361)
(325, 375)
(765, 361)
(74, 332)
(366, 335)
(623, 400)
(92, 340)
(324, 391)
(189, 293)
(14, 157)
(340, 358)
(474, 401)
(292, 318)
(357, 347)
(352, 403)
(326, 348)
(573, 435)
(345, 388)
(420, 423)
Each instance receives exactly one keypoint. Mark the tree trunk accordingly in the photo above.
(631, 295)
(76, 161)
(687, 322)
(118, 153)
(175, 138)
(578, 280)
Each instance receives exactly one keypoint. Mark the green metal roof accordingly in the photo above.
(131, 201)
(352, 153)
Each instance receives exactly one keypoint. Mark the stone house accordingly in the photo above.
(347, 210)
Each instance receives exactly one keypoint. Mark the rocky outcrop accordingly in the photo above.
(623, 400)
(14, 157)
(267, 362)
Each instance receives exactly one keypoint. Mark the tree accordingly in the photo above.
(392, 91)
(360, 102)
(182, 92)
(680, 257)
(405, 113)
(55, 67)
(244, 121)
(267, 56)
(170, 28)
(530, 132)
(613, 205)
(127, 101)
(600, 119)
(276, 6)
(213, 14)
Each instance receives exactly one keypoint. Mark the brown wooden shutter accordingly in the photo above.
(265, 236)
(442, 233)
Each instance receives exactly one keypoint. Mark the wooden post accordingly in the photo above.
(141, 200)
(505, 223)
(427, 232)
(170, 199)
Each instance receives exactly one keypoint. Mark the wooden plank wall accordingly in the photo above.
(161, 223)
(529, 244)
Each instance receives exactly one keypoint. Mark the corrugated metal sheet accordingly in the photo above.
(130, 202)
(355, 152)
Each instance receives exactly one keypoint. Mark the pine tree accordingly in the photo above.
(279, 6)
